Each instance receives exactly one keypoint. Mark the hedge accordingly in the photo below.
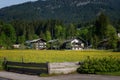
(106, 64)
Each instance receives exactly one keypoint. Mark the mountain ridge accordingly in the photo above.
(65, 10)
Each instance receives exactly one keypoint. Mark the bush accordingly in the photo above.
(107, 64)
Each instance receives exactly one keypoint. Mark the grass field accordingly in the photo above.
(54, 56)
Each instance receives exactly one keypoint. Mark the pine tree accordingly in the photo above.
(103, 30)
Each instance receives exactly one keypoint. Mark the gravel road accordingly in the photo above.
(4, 78)
(16, 76)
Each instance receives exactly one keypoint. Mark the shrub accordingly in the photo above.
(107, 64)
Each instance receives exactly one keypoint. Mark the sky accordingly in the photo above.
(6, 3)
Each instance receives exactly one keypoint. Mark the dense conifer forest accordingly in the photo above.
(96, 22)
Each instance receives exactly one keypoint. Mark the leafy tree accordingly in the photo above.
(7, 35)
(71, 31)
(21, 39)
(104, 30)
(48, 35)
(59, 32)
(3, 39)
(101, 26)
(42, 35)
(112, 36)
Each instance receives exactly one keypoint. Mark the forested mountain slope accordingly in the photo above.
(65, 10)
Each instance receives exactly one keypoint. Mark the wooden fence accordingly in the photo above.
(39, 68)
(29, 68)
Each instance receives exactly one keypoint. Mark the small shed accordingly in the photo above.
(38, 44)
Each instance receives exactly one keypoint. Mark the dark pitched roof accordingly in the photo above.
(36, 40)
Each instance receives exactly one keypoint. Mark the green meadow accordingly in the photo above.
(54, 56)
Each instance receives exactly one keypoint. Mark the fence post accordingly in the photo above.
(48, 67)
(5, 64)
(22, 66)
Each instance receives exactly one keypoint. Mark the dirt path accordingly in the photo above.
(16, 76)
